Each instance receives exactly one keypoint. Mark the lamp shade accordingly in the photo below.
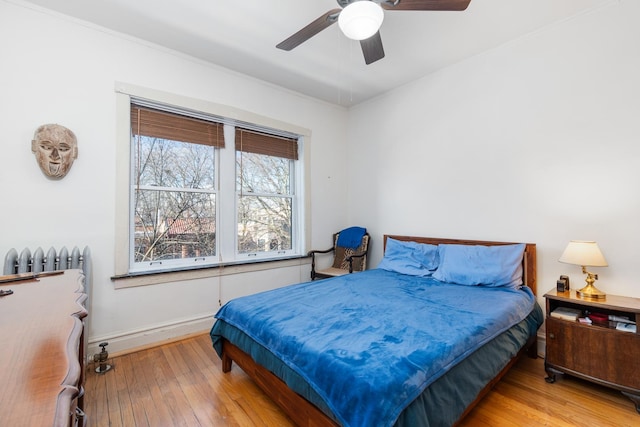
(361, 19)
(584, 253)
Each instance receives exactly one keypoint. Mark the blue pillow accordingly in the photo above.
(481, 265)
(416, 259)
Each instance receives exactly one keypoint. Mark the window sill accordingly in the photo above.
(157, 277)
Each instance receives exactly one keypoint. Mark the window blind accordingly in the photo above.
(250, 141)
(175, 127)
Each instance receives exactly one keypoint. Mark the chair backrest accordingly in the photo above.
(341, 254)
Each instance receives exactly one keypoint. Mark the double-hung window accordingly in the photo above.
(174, 189)
(196, 200)
(265, 188)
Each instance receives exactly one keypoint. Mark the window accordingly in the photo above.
(193, 197)
(265, 194)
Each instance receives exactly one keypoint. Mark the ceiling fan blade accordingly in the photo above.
(310, 30)
(372, 48)
(455, 5)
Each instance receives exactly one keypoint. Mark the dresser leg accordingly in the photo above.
(634, 398)
(551, 374)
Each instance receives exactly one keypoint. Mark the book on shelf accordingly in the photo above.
(566, 313)
(626, 327)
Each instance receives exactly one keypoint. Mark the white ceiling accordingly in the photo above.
(242, 34)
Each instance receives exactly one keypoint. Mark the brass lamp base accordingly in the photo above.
(591, 292)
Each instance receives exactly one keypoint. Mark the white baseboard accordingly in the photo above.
(129, 342)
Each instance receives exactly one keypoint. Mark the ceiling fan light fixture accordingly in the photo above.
(361, 19)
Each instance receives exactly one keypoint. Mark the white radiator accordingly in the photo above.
(26, 262)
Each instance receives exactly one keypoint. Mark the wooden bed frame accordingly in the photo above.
(304, 413)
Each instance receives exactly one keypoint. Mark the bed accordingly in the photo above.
(416, 341)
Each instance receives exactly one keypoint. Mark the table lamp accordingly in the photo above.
(585, 254)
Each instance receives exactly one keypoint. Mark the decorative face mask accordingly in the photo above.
(55, 148)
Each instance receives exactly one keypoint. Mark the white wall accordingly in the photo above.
(59, 70)
(536, 141)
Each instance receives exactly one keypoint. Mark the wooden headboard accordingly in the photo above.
(528, 261)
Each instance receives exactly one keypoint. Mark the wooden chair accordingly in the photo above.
(345, 261)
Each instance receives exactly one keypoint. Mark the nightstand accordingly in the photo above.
(596, 352)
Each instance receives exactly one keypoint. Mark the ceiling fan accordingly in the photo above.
(361, 20)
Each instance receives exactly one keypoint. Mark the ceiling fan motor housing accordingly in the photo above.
(344, 3)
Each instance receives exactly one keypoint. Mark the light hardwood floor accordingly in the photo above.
(182, 384)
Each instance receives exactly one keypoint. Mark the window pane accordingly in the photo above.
(166, 163)
(257, 173)
(174, 225)
(264, 224)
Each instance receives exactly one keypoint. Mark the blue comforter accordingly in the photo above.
(370, 343)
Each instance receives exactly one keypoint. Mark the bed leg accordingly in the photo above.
(226, 362)
(532, 351)
(532, 347)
